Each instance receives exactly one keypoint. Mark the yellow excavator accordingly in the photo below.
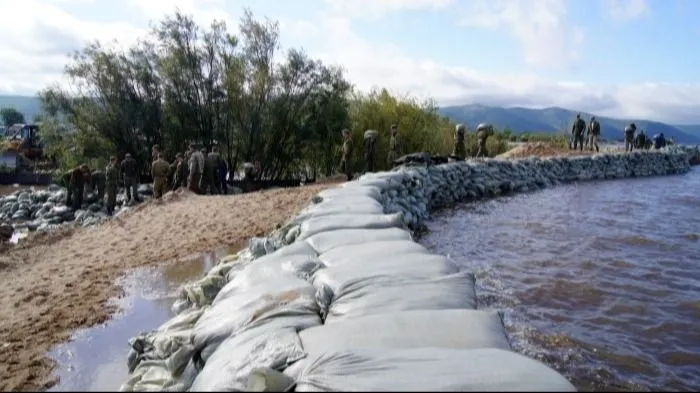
(22, 153)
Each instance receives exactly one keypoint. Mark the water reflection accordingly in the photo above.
(600, 280)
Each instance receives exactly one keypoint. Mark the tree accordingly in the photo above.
(11, 116)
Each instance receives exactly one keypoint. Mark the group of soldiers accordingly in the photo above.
(587, 136)
(198, 170)
(483, 131)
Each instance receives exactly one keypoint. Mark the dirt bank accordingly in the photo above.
(542, 149)
(53, 284)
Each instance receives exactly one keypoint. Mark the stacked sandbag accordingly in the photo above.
(341, 298)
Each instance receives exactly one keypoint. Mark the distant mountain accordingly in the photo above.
(28, 105)
(559, 120)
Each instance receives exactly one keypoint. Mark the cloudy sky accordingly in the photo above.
(622, 58)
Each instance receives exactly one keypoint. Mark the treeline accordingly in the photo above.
(185, 83)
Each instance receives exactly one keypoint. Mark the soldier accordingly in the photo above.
(130, 174)
(159, 172)
(196, 166)
(65, 180)
(111, 184)
(370, 149)
(248, 170)
(460, 150)
(594, 134)
(98, 181)
(629, 136)
(577, 131)
(223, 171)
(77, 185)
(180, 175)
(394, 148)
(210, 179)
(483, 131)
(346, 155)
(155, 152)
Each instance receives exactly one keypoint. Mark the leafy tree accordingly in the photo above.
(11, 116)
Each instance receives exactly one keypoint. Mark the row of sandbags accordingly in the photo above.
(344, 296)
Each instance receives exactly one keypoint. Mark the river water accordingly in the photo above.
(600, 280)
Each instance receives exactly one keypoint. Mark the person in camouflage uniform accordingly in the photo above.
(180, 175)
(483, 131)
(629, 137)
(98, 181)
(130, 175)
(210, 175)
(346, 155)
(460, 150)
(578, 130)
(370, 149)
(223, 171)
(594, 134)
(394, 146)
(111, 184)
(77, 182)
(159, 172)
(196, 166)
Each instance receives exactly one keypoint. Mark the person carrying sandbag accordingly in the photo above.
(370, 149)
(394, 146)
(594, 134)
(346, 155)
(483, 131)
(629, 136)
(460, 150)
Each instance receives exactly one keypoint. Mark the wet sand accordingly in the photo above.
(52, 284)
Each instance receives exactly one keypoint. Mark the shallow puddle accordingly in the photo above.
(95, 359)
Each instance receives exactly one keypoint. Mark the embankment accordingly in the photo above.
(341, 298)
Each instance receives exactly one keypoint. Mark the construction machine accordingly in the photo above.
(22, 154)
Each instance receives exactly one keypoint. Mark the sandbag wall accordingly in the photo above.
(342, 298)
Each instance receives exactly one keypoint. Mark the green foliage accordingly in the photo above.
(11, 116)
(187, 84)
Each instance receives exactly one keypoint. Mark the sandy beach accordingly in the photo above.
(54, 283)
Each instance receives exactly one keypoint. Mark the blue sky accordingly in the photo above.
(624, 58)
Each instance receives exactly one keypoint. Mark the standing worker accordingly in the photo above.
(111, 184)
(211, 182)
(483, 131)
(346, 155)
(180, 175)
(196, 166)
(460, 150)
(98, 181)
(130, 175)
(629, 136)
(577, 131)
(394, 148)
(594, 134)
(223, 171)
(77, 185)
(159, 171)
(370, 149)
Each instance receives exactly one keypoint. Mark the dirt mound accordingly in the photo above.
(55, 283)
(540, 149)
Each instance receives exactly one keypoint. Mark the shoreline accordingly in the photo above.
(58, 282)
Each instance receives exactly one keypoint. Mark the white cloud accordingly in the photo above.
(625, 10)
(40, 41)
(376, 9)
(540, 26)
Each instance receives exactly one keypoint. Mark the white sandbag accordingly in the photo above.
(296, 248)
(268, 267)
(269, 380)
(380, 294)
(369, 191)
(456, 329)
(428, 369)
(349, 204)
(229, 366)
(316, 225)
(326, 241)
(282, 301)
(371, 252)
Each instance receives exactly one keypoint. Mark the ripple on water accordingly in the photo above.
(598, 280)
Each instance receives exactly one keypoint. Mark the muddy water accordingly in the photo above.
(599, 280)
(95, 360)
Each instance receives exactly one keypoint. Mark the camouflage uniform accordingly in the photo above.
(483, 131)
(460, 150)
(196, 166)
(111, 184)
(77, 186)
(210, 175)
(180, 176)
(346, 155)
(594, 134)
(98, 183)
(629, 136)
(159, 170)
(130, 176)
(370, 149)
(578, 130)
(394, 151)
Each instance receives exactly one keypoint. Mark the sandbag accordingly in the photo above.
(282, 301)
(384, 293)
(266, 268)
(296, 248)
(228, 368)
(371, 252)
(326, 241)
(368, 191)
(350, 204)
(316, 225)
(427, 369)
(269, 380)
(456, 329)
